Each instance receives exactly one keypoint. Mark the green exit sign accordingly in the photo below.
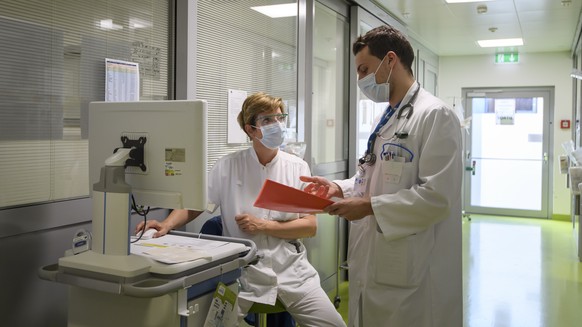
(509, 57)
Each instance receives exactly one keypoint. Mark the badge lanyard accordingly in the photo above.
(370, 157)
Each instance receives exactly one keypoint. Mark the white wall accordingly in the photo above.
(534, 69)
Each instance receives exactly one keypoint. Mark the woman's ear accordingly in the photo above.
(249, 130)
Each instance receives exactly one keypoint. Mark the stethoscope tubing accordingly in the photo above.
(410, 106)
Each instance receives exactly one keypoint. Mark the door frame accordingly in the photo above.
(548, 135)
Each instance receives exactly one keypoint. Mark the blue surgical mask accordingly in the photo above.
(374, 91)
(273, 135)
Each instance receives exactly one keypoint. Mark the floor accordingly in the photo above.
(521, 272)
(518, 272)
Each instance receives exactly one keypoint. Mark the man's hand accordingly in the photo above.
(321, 187)
(351, 208)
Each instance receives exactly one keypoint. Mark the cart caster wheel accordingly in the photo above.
(336, 302)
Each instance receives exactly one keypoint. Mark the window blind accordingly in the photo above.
(239, 48)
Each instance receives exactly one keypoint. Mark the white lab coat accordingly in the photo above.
(234, 183)
(405, 260)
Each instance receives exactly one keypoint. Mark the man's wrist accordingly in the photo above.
(338, 190)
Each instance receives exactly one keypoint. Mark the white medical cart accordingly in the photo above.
(165, 295)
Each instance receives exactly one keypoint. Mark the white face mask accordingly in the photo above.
(374, 91)
(273, 135)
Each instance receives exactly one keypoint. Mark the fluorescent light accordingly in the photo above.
(576, 73)
(107, 24)
(500, 43)
(139, 23)
(465, 1)
(276, 11)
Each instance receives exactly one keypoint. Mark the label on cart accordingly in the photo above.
(222, 310)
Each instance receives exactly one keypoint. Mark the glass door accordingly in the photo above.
(330, 91)
(327, 123)
(507, 152)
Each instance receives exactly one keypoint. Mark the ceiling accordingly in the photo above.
(453, 29)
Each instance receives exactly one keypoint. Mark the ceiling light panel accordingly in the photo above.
(277, 11)
(500, 43)
(465, 1)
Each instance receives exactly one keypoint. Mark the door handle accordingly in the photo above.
(545, 157)
(468, 166)
(471, 167)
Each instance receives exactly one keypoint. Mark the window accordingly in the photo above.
(522, 105)
(52, 64)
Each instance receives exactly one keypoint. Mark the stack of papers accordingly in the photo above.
(172, 249)
(280, 197)
(171, 255)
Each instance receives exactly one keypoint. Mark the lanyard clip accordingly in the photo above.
(401, 135)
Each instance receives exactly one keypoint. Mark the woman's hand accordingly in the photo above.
(161, 228)
(250, 224)
(177, 218)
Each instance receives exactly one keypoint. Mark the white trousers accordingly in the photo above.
(314, 310)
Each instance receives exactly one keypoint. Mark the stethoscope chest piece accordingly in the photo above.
(369, 158)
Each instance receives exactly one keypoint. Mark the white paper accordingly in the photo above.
(172, 255)
(392, 169)
(121, 80)
(235, 101)
(505, 111)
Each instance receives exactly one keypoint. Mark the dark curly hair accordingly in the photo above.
(386, 38)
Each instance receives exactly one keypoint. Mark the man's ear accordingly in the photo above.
(391, 56)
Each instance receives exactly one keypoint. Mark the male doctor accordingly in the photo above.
(404, 202)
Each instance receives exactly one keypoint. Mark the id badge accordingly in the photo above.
(392, 169)
(222, 310)
(360, 183)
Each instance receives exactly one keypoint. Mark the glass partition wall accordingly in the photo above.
(52, 63)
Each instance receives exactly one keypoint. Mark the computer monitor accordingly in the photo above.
(174, 137)
(160, 161)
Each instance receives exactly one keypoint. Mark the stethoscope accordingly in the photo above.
(409, 105)
(407, 110)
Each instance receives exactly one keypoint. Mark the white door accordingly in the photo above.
(507, 151)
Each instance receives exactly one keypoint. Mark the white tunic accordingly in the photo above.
(234, 183)
(405, 260)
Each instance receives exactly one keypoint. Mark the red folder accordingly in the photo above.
(280, 197)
